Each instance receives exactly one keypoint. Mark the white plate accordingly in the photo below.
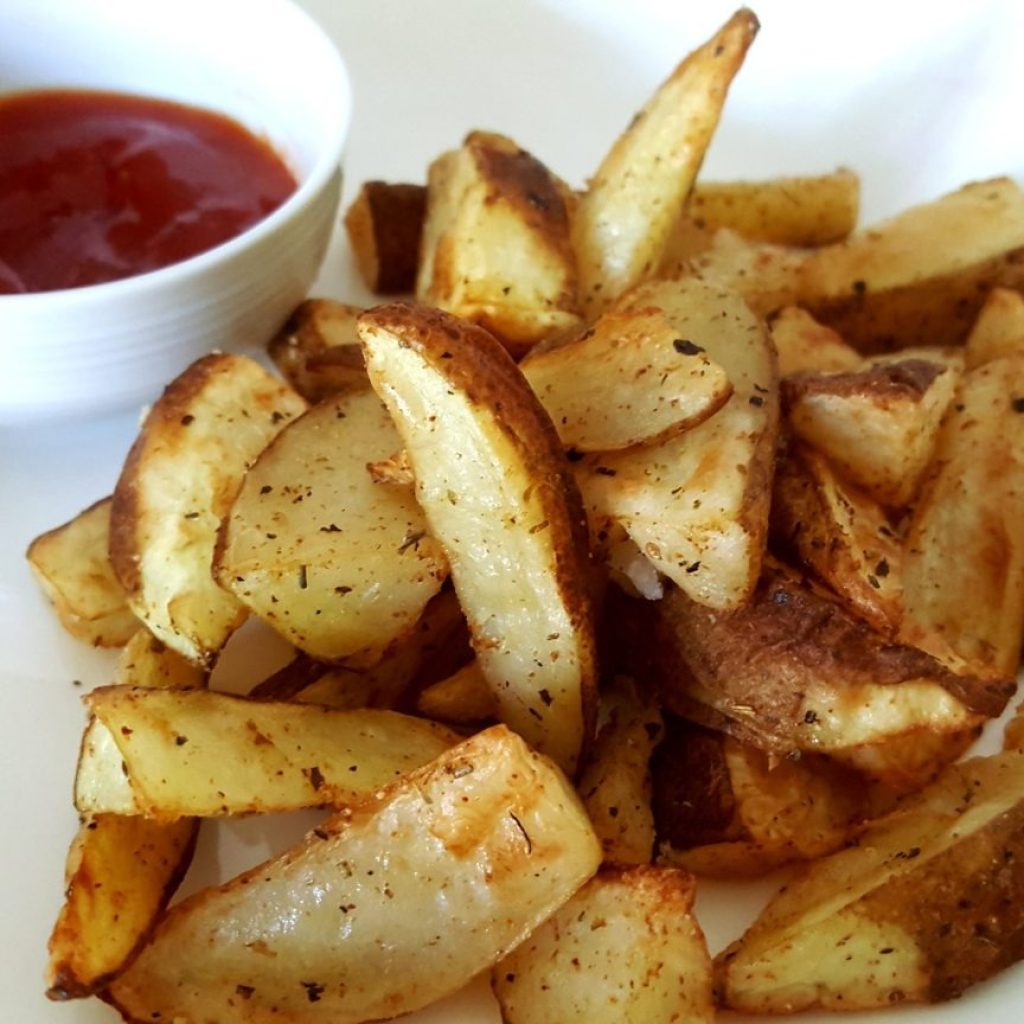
(917, 97)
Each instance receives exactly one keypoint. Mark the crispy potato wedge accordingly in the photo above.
(203, 754)
(497, 494)
(840, 535)
(73, 568)
(878, 425)
(120, 872)
(436, 646)
(633, 202)
(629, 380)
(317, 350)
(338, 565)
(809, 210)
(120, 875)
(925, 905)
(384, 225)
(999, 329)
(615, 783)
(462, 698)
(964, 560)
(805, 346)
(794, 671)
(495, 246)
(921, 277)
(177, 483)
(491, 825)
(626, 949)
(697, 505)
(726, 809)
(766, 275)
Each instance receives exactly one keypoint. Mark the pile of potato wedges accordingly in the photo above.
(663, 529)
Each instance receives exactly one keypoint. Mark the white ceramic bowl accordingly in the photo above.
(264, 63)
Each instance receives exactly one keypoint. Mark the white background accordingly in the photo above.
(917, 97)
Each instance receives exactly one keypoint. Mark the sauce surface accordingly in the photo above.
(100, 186)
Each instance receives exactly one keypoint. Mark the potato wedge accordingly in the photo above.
(491, 825)
(120, 872)
(629, 380)
(204, 754)
(964, 560)
(495, 246)
(840, 535)
(615, 783)
(496, 491)
(317, 350)
(434, 648)
(178, 481)
(921, 277)
(726, 809)
(627, 214)
(463, 698)
(626, 949)
(697, 505)
(794, 671)
(805, 346)
(73, 568)
(338, 565)
(924, 906)
(999, 329)
(767, 276)
(877, 425)
(384, 225)
(809, 210)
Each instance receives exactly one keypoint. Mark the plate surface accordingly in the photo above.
(916, 97)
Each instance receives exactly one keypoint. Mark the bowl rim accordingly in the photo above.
(331, 149)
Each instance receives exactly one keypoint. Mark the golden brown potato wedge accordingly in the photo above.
(384, 225)
(491, 825)
(120, 872)
(202, 754)
(338, 565)
(697, 505)
(964, 559)
(120, 875)
(877, 425)
(726, 809)
(805, 346)
(629, 380)
(177, 483)
(840, 535)
(626, 949)
(999, 329)
(633, 202)
(463, 698)
(73, 568)
(496, 491)
(436, 646)
(615, 783)
(317, 350)
(921, 277)
(495, 245)
(926, 904)
(794, 671)
(809, 210)
(766, 275)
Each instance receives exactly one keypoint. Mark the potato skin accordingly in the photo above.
(384, 225)
(747, 672)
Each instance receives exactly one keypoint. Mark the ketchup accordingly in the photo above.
(99, 186)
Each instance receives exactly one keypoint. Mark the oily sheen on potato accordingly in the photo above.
(383, 908)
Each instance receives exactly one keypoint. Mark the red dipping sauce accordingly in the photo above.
(99, 186)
